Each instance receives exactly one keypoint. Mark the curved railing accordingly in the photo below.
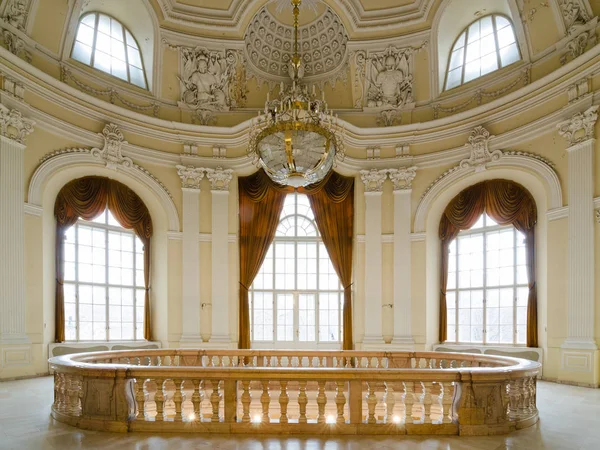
(299, 392)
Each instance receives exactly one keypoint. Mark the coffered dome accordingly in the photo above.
(269, 45)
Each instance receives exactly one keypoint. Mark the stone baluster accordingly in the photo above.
(340, 401)
(521, 410)
(513, 400)
(409, 400)
(56, 390)
(302, 402)
(284, 399)
(390, 401)
(246, 400)
(140, 398)
(427, 386)
(178, 400)
(159, 399)
(197, 398)
(215, 400)
(265, 400)
(371, 402)
(321, 402)
(447, 394)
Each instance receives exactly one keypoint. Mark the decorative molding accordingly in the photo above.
(14, 88)
(360, 64)
(480, 154)
(373, 179)
(540, 166)
(579, 89)
(269, 46)
(208, 82)
(63, 159)
(13, 125)
(111, 153)
(16, 45)
(33, 210)
(16, 13)
(219, 152)
(524, 77)
(373, 153)
(202, 237)
(557, 213)
(190, 176)
(219, 178)
(402, 178)
(580, 127)
(113, 94)
(598, 215)
(574, 14)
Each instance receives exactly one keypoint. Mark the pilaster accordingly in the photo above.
(220, 179)
(373, 181)
(190, 308)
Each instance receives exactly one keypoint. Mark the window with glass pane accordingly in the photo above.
(105, 44)
(104, 281)
(296, 298)
(487, 285)
(483, 47)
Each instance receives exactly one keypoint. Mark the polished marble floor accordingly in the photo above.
(569, 419)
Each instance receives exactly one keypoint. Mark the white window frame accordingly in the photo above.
(106, 228)
(465, 31)
(484, 230)
(296, 343)
(97, 15)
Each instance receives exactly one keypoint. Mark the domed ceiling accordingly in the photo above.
(269, 43)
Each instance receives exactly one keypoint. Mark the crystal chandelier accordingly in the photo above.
(297, 139)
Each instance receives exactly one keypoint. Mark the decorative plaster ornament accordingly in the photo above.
(574, 13)
(389, 118)
(16, 45)
(208, 81)
(580, 127)
(190, 176)
(480, 154)
(373, 179)
(390, 79)
(598, 215)
(402, 178)
(219, 178)
(13, 125)
(577, 46)
(16, 13)
(111, 153)
(287, 5)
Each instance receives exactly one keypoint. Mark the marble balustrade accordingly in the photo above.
(299, 392)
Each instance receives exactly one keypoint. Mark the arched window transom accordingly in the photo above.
(296, 298)
(486, 45)
(105, 44)
(487, 288)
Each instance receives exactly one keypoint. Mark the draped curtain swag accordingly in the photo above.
(87, 198)
(508, 203)
(261, 202)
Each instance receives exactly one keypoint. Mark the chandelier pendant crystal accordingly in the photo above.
(296, 140)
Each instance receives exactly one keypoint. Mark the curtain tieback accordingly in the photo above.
(349, 286)
(244, 286)
(60, 283)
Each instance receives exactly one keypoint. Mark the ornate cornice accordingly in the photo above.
(373, 179)
(219, 178)
(13, 125)
(403, 177)
(190, 176)
(580, 127)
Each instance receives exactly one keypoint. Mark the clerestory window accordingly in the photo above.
(105, 44)
(486, 45)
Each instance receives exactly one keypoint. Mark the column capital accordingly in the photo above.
(14, 126)
(402, 178)
(580, 127)
(219, 179)
(373, 179)
(190, 176)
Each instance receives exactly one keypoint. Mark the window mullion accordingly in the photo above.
(106, 263)
(497, 42)
(96, 29)
(484, 340)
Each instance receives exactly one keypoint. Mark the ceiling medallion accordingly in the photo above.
(297, 139)
(269, 45)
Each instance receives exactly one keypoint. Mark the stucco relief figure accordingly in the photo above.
(574, 13)
(16, 13)
(390, 79)
(206, 79)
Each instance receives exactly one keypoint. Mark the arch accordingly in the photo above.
(450, 20)
(81, 161)
(521, 162)
(139, 18)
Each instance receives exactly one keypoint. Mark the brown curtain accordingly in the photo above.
(261, 201)
(332, 201)
(87, 198)
(507, 203)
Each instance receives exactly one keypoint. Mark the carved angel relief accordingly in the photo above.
(16, 13)
(574, 13)
(208, 81)
(390, 79)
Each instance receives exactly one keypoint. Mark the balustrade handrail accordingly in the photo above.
(143, 389)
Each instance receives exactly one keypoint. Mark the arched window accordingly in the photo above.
(296, 298)
(487, 289)
(484, 46)
(105, 44)
(104, 281)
